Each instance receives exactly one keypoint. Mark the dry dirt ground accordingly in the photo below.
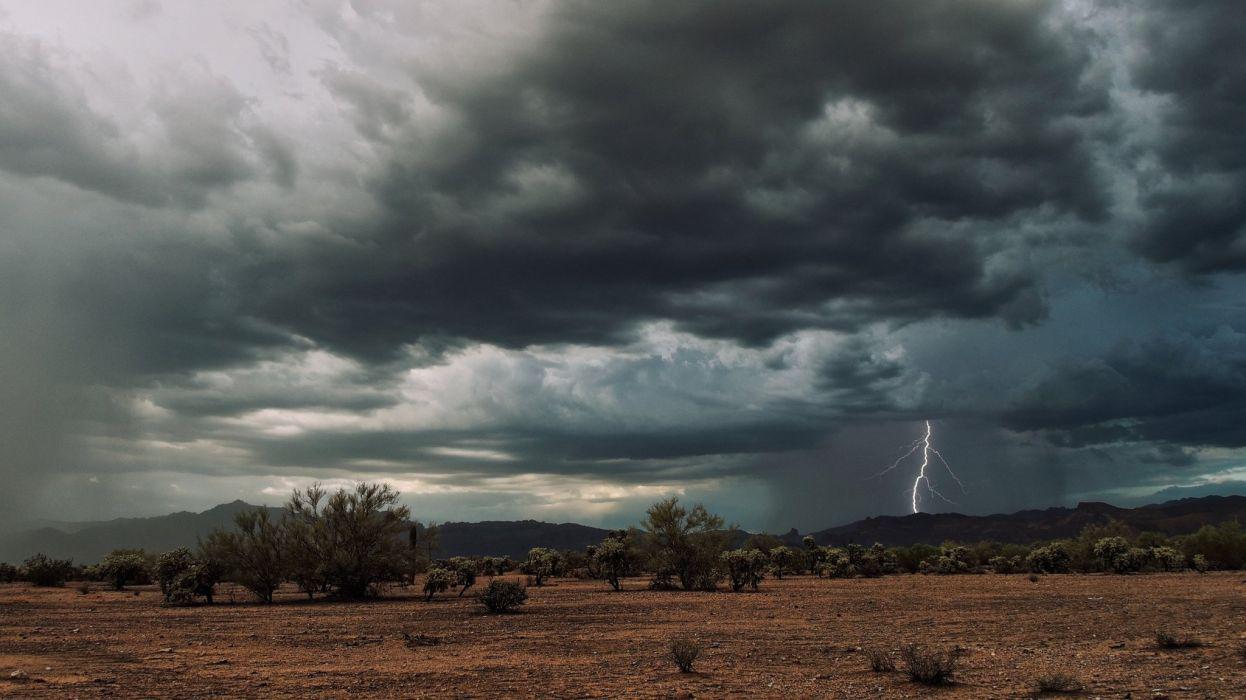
(795, 638)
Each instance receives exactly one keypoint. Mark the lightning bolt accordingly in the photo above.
(923, 478)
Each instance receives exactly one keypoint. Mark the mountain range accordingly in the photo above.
(88, 542)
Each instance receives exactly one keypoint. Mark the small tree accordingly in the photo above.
(689, 542)
(8, 572)
(813, 555)
(614, 558)
(365, 530)
(783, 559)
(437, 580)
(309, 542)
(542, 563)
(253, 554)
(745, 567)
(122, 566)
(464, 569)
(169, 566)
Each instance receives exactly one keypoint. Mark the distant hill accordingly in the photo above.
(87, 542)
(1172, 518)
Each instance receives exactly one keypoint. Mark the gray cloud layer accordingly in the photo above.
(562, 257)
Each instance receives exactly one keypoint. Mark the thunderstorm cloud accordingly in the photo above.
(558, 259)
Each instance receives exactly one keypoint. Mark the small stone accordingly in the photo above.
(18, 675)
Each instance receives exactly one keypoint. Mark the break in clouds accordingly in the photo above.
(556, 259)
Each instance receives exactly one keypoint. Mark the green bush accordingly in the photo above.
(1051, 559)
(464, 569)
(8, 572)
(745, 567)
(437, 580)
(783, 560)
(614, 558)
(542, 563)
(42, 570)
(1005, 564)
(502, 596)
(124, 566)
(197, 580)
(169, 566)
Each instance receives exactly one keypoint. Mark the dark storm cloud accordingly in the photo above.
(198, 144)
(1180, 389)
(744, 169)
(1192, 54)
(608, 245)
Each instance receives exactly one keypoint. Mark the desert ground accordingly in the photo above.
(796, 638)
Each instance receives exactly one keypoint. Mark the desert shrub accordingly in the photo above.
(464, 569)
(744, 567)
(437, 580)
(42, 570)
(502, 596)
(1167, 558)
(197, 580)
(542, 563)
(880, 660)
(1200, 564)
(1050, 559)
(253, 555)
(124, 566)
(1115, 554)
(1168, 639)
(910, 558)
(836, 563)
(663, 579)
(784, 559)
(689, 542)
(684, 652)
(1222, 546)
(929, 666)
(953, 559)
(614, 558)
(495, 566)
(8, 572)
(1003, 564)
(813, 555)
(855, 560)
(1058, 682)
(169, 566)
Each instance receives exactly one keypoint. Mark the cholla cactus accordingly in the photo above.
(745, 567)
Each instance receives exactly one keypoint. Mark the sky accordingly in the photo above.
(557, 260)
